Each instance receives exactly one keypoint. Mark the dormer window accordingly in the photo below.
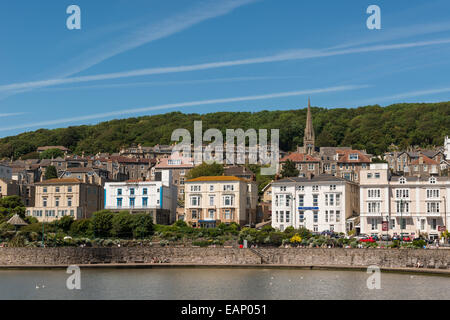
(173, 162)
(402, 180)
(353, 156)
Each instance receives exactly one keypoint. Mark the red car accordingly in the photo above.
(406, 238)
(368, 239)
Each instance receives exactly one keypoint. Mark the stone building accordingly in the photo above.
(343, 162)
(305, 163)
(5, 172)
(415, 162)
(57, 198)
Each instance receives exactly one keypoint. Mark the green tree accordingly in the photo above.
(51, 154)
(373, 128)
(65, 223)
(205, 169)
(122, 225)
(142, 225)
(102, 222)
(289, 170)
(50, 173)
(10, 206)
(81, 228)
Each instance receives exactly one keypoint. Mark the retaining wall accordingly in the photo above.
(389, 258)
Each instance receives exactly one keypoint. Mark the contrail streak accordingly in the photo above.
(284, 56)
(185, 104)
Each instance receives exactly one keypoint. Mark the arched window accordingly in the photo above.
(432, 180)
(402, 180)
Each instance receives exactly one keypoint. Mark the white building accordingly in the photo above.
(158, 198)
(5, 172)
(409, 205)
(318, 203)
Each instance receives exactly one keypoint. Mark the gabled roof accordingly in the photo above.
(267, 186)
(185, 163)
(122, 159)
(216, 178)
(344, 156)
(299, 157)
(318, 178)
(80, 169)
(60, 181)
(426, 160)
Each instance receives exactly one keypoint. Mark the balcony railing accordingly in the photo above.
(374, 214)
(131, 207)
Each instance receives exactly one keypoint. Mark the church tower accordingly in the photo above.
(308, 139)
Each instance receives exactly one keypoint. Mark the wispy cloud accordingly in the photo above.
(138, 36)
(128, 111)
(404, 95)
(205, 10)
(3, 115)
(398, 33)
(167, 83)
(283, 56)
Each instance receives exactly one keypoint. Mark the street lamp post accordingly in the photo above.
(387, 229)
(43, 234)
(401, 220)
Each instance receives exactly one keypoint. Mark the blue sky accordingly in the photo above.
(201, 56)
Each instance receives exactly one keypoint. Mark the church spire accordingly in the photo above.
(308, 139)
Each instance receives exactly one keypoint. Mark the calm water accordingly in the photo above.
(231, 284)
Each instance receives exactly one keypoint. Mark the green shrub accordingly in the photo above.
(102, 223)
(81, 228)
(201, 243)
(122, 225)
(142, 225)
(419, 243)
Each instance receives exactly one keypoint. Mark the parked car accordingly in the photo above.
(375, 237)
(406, 238)
(361, 236)
(395, 237)
(337, 236)
(368, 239)
(386, 237)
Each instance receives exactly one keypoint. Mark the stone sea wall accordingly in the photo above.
(388, 258)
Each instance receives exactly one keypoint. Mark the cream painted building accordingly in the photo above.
(318, 203)
(57, 198)
(410, 205)
(220, 199)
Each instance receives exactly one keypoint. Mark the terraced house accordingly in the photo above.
(403, 204)
(57, 198)
(220, 199)
(317, 203)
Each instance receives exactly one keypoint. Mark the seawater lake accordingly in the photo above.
(218, 283)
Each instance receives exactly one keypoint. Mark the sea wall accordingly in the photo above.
(336, 257)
